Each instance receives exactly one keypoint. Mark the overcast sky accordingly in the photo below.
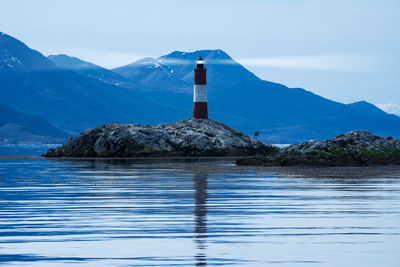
(343, 50)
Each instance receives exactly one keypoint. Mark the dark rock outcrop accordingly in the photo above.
(357, 148)
(183, 138)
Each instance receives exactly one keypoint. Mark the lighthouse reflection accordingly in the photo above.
(200, 217)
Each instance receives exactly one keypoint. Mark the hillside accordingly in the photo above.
(16, 127)
(88, 69)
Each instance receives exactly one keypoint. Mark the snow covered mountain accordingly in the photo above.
(174, 72)
(69, 100)
(150, 72)
(15, 56)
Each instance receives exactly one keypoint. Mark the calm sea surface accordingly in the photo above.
(186, 212)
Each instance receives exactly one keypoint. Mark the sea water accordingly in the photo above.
(195, 212)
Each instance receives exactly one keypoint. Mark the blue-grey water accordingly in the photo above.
(24, 149)
(187, 212)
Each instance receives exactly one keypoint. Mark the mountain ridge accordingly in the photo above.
(86, 68)
(17, 127)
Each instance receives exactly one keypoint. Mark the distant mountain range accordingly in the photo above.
(69, 100)
(73, 95)
(16, 127)
(88, 69)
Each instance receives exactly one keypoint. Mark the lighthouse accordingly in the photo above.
(200, 91)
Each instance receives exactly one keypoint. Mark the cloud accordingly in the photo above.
(390, 108)
(328, 62)
(324, 62)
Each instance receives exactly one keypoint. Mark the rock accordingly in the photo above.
(357, 148)
(183, 138)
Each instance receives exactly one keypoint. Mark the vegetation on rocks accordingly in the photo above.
(357, 148)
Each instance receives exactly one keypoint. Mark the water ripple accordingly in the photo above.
(188, 212)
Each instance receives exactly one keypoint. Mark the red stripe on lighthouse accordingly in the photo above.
(200, 76)
(200, 110)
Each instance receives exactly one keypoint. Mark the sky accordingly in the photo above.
(346, 51)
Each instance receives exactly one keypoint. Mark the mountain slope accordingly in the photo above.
(67, 99)
(88, 69)
(16, 127)
(15, 56)
(149, 72)
(370, 110)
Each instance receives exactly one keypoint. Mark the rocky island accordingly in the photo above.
(357, 148)
(185, 138)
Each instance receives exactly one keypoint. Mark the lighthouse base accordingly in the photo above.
(200, 110)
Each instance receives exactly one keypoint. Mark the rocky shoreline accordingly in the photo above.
(185, 138)
(207, 138)
(357, 148)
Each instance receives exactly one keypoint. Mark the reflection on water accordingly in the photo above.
(196, 212)
(200, 217)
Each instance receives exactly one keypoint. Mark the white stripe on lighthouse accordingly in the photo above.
(200, 93)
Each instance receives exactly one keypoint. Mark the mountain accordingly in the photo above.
(239, 98)
(17, 127)
(88, 69)
(174, 72)
(153, 73)
(67, 99)
(73, 97)
(15, 56)
(370, 110)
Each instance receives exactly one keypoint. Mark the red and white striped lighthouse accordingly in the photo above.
(200, 91)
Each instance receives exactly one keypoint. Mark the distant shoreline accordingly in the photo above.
(19, 157)
(111, 158)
